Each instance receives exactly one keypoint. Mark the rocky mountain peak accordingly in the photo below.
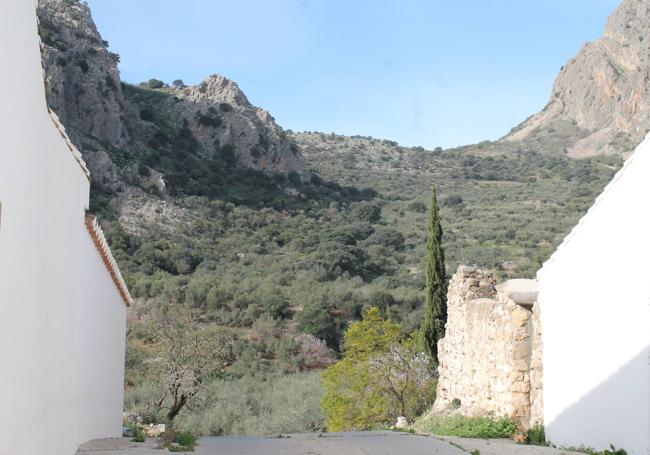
(82, 79)
(604, 92)
(216, 89)
(210, 120)
(220, 114)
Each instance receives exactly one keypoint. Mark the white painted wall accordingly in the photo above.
(594, 298)
(100, 345)
(61, 319)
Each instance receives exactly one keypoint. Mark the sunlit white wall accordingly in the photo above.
(61, 320)
(594, 298)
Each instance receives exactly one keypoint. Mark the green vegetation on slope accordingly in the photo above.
(507, 211)
(283, 261)
(281, 265)
(256, 405)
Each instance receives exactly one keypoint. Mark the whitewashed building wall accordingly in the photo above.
(62, 316)
(594, 298)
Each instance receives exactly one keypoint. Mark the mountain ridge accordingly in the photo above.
(603, 93)
(280, 238)
(84, 88)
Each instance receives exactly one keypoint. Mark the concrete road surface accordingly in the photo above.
(360, 443)
(366, 443)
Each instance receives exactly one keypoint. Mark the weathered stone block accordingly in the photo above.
(491, 343)
(522, 387)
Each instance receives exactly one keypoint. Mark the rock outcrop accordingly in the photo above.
(82, 79)
(258, 142)
(490, 357)
(84, 88)
(603, 94)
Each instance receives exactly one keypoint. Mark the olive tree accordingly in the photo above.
(187, 353)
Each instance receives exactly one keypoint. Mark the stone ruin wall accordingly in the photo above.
(490, 358)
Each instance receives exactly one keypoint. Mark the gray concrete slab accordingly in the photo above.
(119, 447)
(355, 443)
(503, 447)
(360, 443)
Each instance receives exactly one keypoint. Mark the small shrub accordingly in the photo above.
(83, 64)
(61, 60)
(417, 207)
(536, 436)
(469, 427)
(294, 178)
(452, 200)
(369, 212)
(225, 107)
(263, 142)
(110, 83)
(186, 439)
(154, 84)
(138, 434)
(208, 120)
(175, 441)
(590, 451)
(146, 115)
(143, 170)
(227, 153)
(455, 404)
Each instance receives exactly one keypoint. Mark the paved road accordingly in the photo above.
(366, 443)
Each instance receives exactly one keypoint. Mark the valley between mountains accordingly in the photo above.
(277, 240)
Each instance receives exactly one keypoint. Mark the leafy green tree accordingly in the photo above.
(316, 320)
(435, 305)
(379, 378)
(369, 212)
(382, 299)
(154, 84)
(274, 303)
(405, 376)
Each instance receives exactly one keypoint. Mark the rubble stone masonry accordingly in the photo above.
(490, 358)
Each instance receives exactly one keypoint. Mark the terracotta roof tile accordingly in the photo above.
(99, 240)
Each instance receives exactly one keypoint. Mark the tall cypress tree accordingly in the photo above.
(435, 306)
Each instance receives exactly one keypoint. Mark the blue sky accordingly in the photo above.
(422, 72)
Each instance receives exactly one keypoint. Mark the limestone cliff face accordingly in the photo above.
(604, 92)
(82, 80)
(258, 142)
(85, 90)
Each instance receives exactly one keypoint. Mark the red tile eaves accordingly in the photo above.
(99, 240)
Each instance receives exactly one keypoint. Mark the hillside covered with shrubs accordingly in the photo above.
(265, 246)
(287, 265)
